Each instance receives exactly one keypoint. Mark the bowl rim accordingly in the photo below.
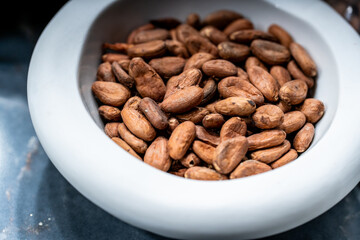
(55, 108)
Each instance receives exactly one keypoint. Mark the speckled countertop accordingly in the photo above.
(36, 202)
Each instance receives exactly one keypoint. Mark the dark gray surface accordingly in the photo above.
(36, 202)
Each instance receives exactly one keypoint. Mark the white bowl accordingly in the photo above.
(65, 117)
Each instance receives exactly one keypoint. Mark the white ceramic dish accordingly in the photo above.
(64, 65)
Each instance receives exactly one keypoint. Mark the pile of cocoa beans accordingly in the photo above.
(208, 99)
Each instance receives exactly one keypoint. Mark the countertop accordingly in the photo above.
(36, 202)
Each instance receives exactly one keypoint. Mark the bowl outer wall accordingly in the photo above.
(159, 202)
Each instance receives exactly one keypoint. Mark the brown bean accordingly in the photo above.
(270, 52)
(118, 47)
(221, 18)
(213, 120)
(188, 78)
(304, 138)
(254, 61)
(122, 76)
(203, 173)
(204, 151)
(296, 73)
(110, 93)
(266, 139)
(205, 136)
(190, 160)
(209, 88)
(219, 68)
(235, 106)
(110, 113)
(180, 172)
(133, 103)
(237, 25)
(176, 48)
(193, 20)
(112, 57)
(281, 34)
(284, 106)
(271, 154)
(304, 60)
(184, 31)
(313, 109)
(197, 43)
(268, 116)
(175, 166)
(233, 52)
(150, 49)
(173, 35)
(157, 155)
(249, 122)
(183, 100)
(288, 157)
(235, 87)
(280, 74)
(293, 121)
(148, 82)
(136, 122)
(293, 92)
(229, 153)
(263, 81)
(135, 143)
(153, 113)
(124, 64)
(173, 123)
(111, 129)
(195, 115)
(125, 146)
(132, 35)
(151, 35)
(249, 35)
(104, 73)
(213, 34)
(242, 74)
(249, 168)
(232, 128)
(181, 139)
(167, 67)
(211, 107)
(197, 60)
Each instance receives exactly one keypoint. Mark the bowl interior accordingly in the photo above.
(116, 22)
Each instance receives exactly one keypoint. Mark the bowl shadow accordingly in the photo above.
(78, 218)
